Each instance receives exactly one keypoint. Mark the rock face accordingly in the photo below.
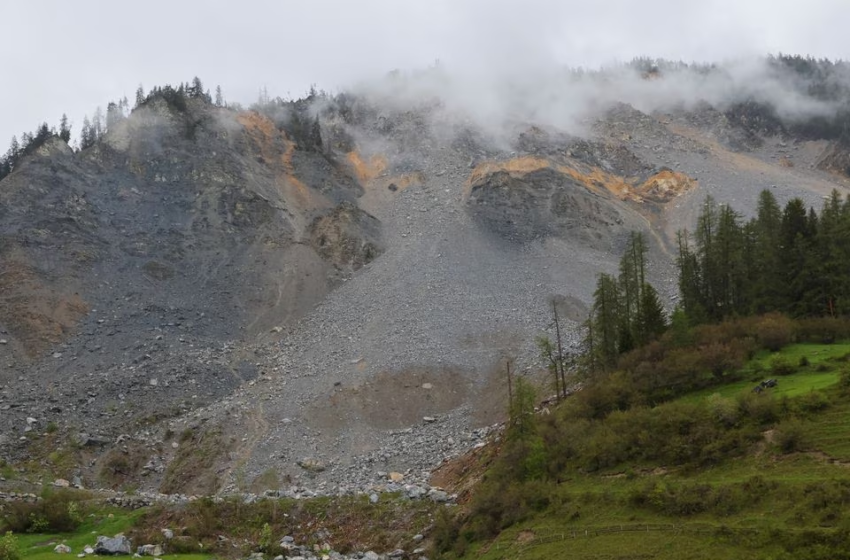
(836, 158)
(129, 270)
(543, 203)
(208, 296)
(348, 237)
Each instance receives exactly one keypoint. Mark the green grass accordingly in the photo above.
(596, 515)
(108, 522)
(805, 379)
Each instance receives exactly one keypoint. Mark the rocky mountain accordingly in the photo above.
(325, 291)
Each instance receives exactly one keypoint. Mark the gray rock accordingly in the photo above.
(149, 550)
(62, 549)
(438, 496)
(310, 464)
(113, 546)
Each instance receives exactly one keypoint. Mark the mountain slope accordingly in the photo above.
(310, 282)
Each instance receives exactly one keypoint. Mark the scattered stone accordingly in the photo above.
(396, 476)
(61, 483)
(168, 534)
(62, 549)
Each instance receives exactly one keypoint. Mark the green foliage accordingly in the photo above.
(790, 436)
(792, 262)
(266, 539)
(626, 311)
(780, 365)
(9, 549)
(58, 511)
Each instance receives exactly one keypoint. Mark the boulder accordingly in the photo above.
(312, 465)
(113, 546)
(149, 550)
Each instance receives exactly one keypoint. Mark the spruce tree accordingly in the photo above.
(65, 129)
(606, 320)
(765, 276)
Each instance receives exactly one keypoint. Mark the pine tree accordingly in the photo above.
(196, 89)
(794, 238)
(606, 320)
(14, 149)
(87, 135)
(97, 125)
(765, 276)
(65, 129)
(140, 96)
(219, 98)
(651, 320)
(114, 115)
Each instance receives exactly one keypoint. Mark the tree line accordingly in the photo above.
(790, 260)
(92, 130)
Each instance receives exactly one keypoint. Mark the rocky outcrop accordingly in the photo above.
(348, 237)
(836, 159)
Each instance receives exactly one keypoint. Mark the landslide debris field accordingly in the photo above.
(209, 296)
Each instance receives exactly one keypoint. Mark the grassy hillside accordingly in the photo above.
(655, 460)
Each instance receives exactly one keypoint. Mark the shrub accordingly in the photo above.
(9, 547)
(774, 331)
(844, 380)
(57, 512)
(790, 436)
(814, 401)
(823, 330)
(780, 365)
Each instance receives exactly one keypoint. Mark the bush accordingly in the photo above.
(9, 547)
(780, 365)
(790, 436)
(844, 380)
(774, 331)
(814, 401)
(823, 330)
(56, 512)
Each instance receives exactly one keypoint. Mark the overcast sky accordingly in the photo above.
(72, 56)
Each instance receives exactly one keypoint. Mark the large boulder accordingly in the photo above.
(113, 546)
